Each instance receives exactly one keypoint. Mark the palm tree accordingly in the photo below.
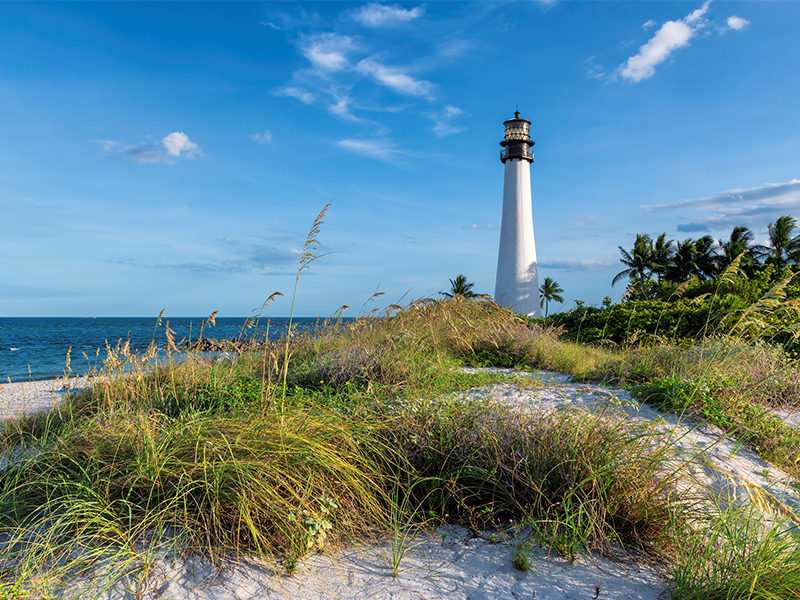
(739, 243)
(549, 291)
(459, 287)
(684, 261)
(662, 257)
(783, 248)
(706, 258)
(639, 262)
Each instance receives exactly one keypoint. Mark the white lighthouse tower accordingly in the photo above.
(517, 285)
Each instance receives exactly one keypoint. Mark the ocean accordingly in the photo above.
(35, 348)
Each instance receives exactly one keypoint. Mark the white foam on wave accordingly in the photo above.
(13, 349)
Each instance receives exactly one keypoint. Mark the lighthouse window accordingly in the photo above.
(517, 130)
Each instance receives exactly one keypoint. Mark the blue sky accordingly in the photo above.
(174, 155)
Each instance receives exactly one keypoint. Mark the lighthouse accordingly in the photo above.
(517, 284)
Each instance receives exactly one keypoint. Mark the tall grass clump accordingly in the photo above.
(738, 555)
(417, 347)
(256, 482)
(581, 481)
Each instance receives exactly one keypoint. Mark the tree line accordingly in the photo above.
(668, 261)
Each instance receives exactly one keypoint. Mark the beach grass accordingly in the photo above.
(251, 455)
(362, 433)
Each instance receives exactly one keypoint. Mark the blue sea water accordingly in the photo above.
(34, 348)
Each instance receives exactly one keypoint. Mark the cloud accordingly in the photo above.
(227, 240)
(395, 79)
(350, 75)
(108, 145)
(581, 220)
(226, 266)
(671, 36)
(165, 150)
(379, 149)
(282, 21)
(594, 71)
(331, 76)
(770, 194)
(266, 257)
(737, 23)
(454, 47)
(291, 91)
(574, 264)
(327, 51)
(647, 25)
(443, 122)
(341, 107)
(488, 226)
(262, 138)
(143, 153)
(381, 15)
(178, 142)
(690, 227)
(753, 207)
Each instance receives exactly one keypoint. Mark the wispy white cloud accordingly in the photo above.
(330, 77)
(752, 207)
(327, 51)
(283, 21)
(574, 264)
(108, 145)
(453, 47)
(262, 138)
(770, 194)
(165, 150)
(671, 36)
(293, 91)
(382, 15)
(225, 266)
(143, 153)
(443, 122)
(594, 71)
(378, 149)
(394, 78)
(347, 75)
(737, 23)
(341, 105)
(488, 226)
(266, 257)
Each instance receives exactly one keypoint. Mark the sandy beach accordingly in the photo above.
(31, 397)
(450, 563)
(453, 562)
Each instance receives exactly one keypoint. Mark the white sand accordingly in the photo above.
(30, 397)
(452, 563)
